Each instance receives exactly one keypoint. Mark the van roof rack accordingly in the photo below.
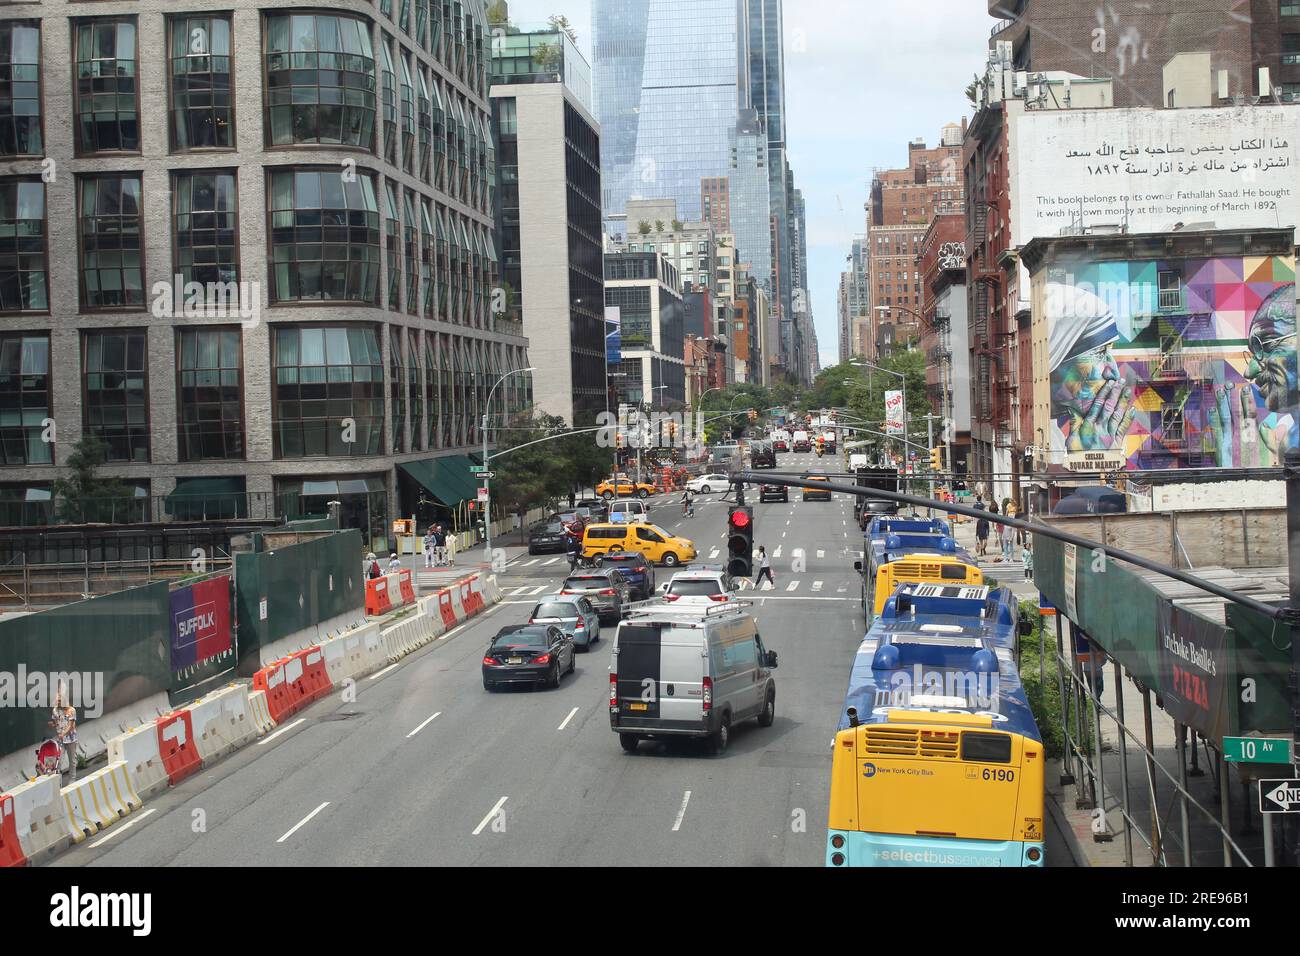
(690, 610)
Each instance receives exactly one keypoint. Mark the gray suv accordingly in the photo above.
(606, 588)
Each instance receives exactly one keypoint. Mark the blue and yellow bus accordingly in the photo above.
(898, 550)
(938, 760)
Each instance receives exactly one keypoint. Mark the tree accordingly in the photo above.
(529, 477)
(86, 497)
(498, 13)
(659, 225)
(677, 225)
(973, 90)
(560, 23)
(643, 227)
(547, 56)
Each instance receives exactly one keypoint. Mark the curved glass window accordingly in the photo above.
(329, 392)
(324, 236)
(389, 78)
(20, 89)
(23, 270)
(410, 248)
(112, 257)
(391, 242)
(320, 80)
(397, 387)
(107, 94)
(203, 105)
(416, 393)
(431, 390)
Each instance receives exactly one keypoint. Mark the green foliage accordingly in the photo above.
(677, 227)
(547, 56)
(560, 23)
(643, 227)
(659, 225)
(85, 496)
(498, 13)
(1045, 693)
(534, 476)
(739, 399)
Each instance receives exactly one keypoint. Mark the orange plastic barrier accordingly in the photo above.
(315, 678)
(406, 587)
(176, 746)
(446, 609)
(378, 600)
(470, 600)
(11, 851)
(279, 703)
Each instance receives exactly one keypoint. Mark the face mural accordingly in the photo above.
(1185, 363)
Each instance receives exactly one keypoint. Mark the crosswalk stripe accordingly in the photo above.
(713, 554)
(552, 561)
(792, 585)
(529, 564)
(537, 590)
(777, 552)
(821, 553)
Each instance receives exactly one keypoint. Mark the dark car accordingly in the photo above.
(528, 654)
(606, 588)
(639, 571)
(598, 507)
(546, 537)
(573, 615)
(773, 493)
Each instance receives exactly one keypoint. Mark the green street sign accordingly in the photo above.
(477, 469)
(1276, 750)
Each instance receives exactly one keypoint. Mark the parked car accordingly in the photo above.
(709, 483)
(574, 615)
(639, 571)
(606, 588)
(773, 493)
(654, 542)
(528, 654)
(713, 659)
(546, 537)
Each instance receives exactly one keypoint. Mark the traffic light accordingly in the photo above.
(936, 459)
(672, 432)
(740, 541)
(753, 415)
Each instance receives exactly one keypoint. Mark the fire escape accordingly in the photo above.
(994, 388)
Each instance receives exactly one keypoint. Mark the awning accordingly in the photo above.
(448, 478)
(200, 499)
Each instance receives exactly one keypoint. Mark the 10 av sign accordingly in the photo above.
(1279, 796)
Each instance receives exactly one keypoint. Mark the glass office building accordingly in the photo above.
(670, 80)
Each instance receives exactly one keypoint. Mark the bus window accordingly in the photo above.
(986, 748)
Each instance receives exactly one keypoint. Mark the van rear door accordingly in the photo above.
(638, 663)
(682, 664)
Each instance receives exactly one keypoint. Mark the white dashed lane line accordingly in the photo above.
(294, 829)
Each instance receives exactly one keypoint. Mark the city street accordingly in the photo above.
(427, 768)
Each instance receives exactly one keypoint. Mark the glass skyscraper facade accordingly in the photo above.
(749, 203)
(670, 81)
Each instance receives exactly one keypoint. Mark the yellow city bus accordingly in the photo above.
(922, 569)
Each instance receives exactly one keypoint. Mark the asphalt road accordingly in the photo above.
(426, 768)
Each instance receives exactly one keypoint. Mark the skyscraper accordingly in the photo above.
(670, 83)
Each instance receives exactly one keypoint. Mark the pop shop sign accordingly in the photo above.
(200, 622)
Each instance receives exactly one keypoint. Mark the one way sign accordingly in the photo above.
(1279, 796)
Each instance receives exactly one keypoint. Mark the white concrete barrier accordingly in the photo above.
(221, 721)
(85, 816)
(138, 749)
(259, 713)
(112, 790)
(205, 719)
(40, 816)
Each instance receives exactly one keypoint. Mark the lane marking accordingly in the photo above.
(677, 824)
(537, 590)
(488, 819)
(529, 564)
(817, 586)
(114, 831)
(283, 730)
(299, 824)
(374, 676)
(777, 552)
(792, 585)
(552, 561)
(423, 725)
(567, 719)
(713, 554)
(821, 553)
(783, 534)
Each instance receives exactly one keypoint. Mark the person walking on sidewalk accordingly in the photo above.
(997, 534)
(429, 542)
(764, 568)
(1008, 535)
(981, 531)
(1027, 556)
(63, 718)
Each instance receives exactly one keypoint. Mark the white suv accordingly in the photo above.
(700, 585)
(706, 484)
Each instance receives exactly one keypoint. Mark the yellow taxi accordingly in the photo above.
(817, 494)
(654, 542)
(624, 487)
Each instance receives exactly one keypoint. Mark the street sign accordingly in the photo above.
(1257, 750)
(482, 494)
(477, 469)
(485, 474)
(1279, 796)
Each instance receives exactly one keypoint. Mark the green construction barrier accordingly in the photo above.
(116, 645)
(293, 588)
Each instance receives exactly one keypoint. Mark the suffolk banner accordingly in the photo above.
(200, 622)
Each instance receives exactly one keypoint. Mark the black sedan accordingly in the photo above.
(528, 654)
(546, 538)
(640, 573)
(773, 493)
(598, 507)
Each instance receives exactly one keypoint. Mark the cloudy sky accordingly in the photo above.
(863, 78)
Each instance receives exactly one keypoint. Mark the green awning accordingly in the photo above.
(200, 499)
(448, 478)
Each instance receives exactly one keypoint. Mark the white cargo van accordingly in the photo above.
(689, 671)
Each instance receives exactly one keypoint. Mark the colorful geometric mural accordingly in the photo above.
(1174, 363)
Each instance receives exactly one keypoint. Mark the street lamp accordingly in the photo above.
(487, 497)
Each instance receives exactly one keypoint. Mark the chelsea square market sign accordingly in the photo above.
(1235, 167)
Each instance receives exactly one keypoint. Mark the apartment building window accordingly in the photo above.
(397, 387)
(107, 100)
(1290, 8)
(415, 393)
(323, 376)
(426, 257)
(20, 89)
(24, 399)
(211, 395)
(112, 256)
(205, 233)
(202, 98)
(116, 396)
(410, 225)
(408, 112)
(1289, 92)
(1171, 291)
(431, 392)
(324, 236)
(24, 280)
(320, 80)
(1290, 49)
(392, 238)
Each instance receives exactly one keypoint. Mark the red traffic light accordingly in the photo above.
(739, 519)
